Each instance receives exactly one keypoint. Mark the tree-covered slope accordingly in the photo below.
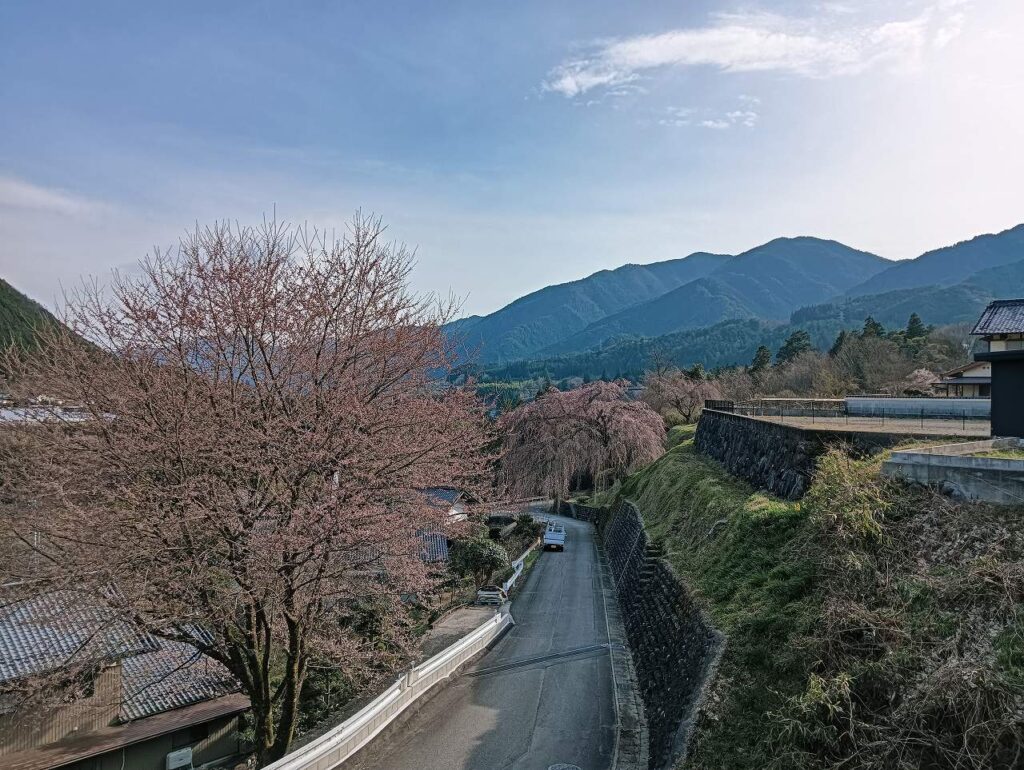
(543, 317)
(961, 303)
(768, 282)
(20, 317)
(949, 265)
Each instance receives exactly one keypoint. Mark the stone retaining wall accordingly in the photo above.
(674, 647)
(579, 511)
(777, 457)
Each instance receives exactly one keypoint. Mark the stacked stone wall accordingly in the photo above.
(674, 647)
(777, 457)
(579, 511)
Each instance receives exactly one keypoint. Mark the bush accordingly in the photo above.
(477, 557)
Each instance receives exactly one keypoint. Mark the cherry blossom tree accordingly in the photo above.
(676, 390)
(564, 440)
(260, 408)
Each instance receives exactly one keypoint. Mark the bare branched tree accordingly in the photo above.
(261, 408)
(676, 390)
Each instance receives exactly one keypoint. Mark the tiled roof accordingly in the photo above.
(435, 547)
(173, 676)
(441, 495)
(65, 628)
(1004, 316)
(61, 629)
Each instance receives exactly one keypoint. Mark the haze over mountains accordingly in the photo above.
(799, 280)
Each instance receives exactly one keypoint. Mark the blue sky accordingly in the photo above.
(515, 144)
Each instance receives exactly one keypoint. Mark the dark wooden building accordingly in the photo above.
(1001, 327)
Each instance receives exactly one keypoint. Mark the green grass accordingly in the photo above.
(870, 625)
(1002, 454)
(749, 561)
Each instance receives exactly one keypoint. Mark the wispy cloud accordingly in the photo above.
(19, 194)
(762, 42)
(746, 116)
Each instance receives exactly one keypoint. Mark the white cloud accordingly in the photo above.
(761, 42)
(705, 118)
(19, 194)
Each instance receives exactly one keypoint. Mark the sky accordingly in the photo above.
(513, 144)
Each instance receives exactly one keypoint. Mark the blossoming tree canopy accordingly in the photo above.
(260, 410)
(587, 437)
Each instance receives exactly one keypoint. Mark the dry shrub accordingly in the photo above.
(920, 648)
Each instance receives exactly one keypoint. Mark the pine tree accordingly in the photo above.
(916, 327)
(798, 342)
(872, 328)
(762, 359)
(838, 344)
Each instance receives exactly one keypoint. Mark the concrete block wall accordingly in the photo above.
(674, 647)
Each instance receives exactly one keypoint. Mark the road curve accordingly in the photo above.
(541, 697)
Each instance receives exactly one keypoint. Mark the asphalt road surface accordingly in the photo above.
(541, 697)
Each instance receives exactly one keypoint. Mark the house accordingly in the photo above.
(973, 380)
(434, 541)
(451, 498)
(1001, 327)
(127, 700)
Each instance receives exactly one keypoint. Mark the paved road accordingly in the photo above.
(507, 712)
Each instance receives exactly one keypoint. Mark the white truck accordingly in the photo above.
(554, 537)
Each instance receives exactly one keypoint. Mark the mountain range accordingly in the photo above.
(787, 281)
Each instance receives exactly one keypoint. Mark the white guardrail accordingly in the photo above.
(517, 570)
(331, 749)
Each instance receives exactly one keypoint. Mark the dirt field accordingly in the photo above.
(910, 426)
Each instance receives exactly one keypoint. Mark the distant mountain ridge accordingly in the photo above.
(949, 265)
(542, 318)
(767, 282)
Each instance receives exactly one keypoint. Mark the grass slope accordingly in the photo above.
(869, 626)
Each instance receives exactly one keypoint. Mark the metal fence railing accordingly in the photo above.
(333, 748)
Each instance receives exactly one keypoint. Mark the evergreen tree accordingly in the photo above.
(762, 359)
(697, 372)
(798, 342)
(872, 328)
(838, 344)
(916, 327)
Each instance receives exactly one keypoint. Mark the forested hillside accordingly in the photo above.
(768, 282)
(949, 265)
(20, 317)
(544, 317)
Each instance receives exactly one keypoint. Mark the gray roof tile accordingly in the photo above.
(173, 676)
(1004, 316)
(64, 629)
(61, 629)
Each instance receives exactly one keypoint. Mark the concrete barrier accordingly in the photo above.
(331, 749)
(961, 470)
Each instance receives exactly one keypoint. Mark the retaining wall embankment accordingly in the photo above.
(674, 647)
(579, 511)
(777, 457)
